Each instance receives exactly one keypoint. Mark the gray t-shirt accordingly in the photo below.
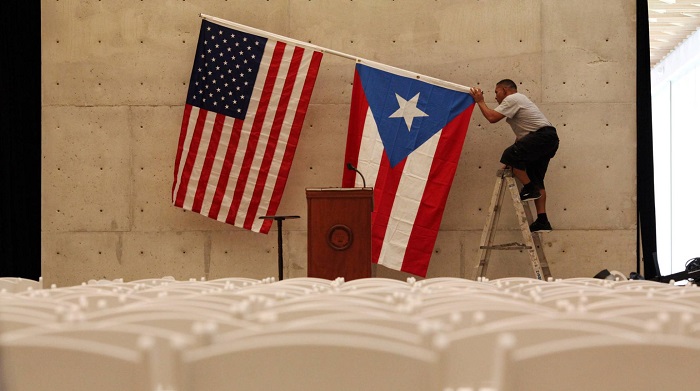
(522, 115)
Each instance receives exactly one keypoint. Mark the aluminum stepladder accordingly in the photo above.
(532, 243)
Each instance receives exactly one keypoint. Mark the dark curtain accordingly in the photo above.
(646, 209)
(20, 148)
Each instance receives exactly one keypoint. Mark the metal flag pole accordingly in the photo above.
(388, 68)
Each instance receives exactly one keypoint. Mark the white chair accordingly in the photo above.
(237, 281)
(469, 313)
(603, 363)
(694, 330)
(276, 291)
(296, 361)
(89, 302)
(173, 290)
(181, 322)
(60, 363)
(374, 282)
(223, 301)
(351, 322)
(310, 283)
(468, 356)
(205, 308)
(642, 308)
(17, 321)
(157, 345)
(8, 284)
(462, 284)
(515, 284)
(310, 312)
(370, 300)
(637, 284)
(586, 281)
(43, 309)
(570, 298)
(154, 281)
(24, 284)
(17, 284)
(656, 319)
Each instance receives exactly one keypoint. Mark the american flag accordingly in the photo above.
(245, 107)
(405, 135)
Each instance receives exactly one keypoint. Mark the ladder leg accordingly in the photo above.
(524, 223)
(488, 233)
(537, 239)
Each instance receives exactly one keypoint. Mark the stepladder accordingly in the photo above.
(532, 243)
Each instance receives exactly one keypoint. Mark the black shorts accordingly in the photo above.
(532, 153)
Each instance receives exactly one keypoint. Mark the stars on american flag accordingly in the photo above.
(225, 69)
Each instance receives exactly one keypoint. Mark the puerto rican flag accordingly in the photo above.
(244, 111)
(405, 136)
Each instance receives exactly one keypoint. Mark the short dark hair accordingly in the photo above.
(507, 83)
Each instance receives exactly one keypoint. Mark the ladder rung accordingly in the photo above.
(507, 246)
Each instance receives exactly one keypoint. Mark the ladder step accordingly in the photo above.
(507, 246)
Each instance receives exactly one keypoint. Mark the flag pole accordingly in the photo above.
(388, 68)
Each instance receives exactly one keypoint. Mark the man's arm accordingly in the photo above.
(491, 115)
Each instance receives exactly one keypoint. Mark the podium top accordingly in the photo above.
(279, 217)
(339, 192)
(337, 188)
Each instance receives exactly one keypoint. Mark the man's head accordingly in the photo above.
(504, 88)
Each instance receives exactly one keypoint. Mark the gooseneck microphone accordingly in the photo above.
(353, 168)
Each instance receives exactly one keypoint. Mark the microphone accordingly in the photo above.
(353, 168)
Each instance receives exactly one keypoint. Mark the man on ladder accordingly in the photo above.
(536, 142)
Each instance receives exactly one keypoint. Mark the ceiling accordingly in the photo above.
(670, 23)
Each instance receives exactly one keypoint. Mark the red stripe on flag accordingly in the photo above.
(181, 145)
(208, 162)
(427, 223)
(191, 157)
(388, 180)
(226, 169)
(293, 140)
(358, 113)
(274, 136)
(258, 121)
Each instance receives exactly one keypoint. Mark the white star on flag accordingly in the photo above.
(408, 110)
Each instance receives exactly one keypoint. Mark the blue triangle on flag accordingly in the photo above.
(397, 101)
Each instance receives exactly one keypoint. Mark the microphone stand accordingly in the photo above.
(353, 168)
(364, 184)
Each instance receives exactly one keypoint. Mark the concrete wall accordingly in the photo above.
(115, 76)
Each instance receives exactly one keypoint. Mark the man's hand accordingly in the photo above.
(490, 115)
(477, 94)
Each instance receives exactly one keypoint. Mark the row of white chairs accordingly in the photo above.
(381, 334)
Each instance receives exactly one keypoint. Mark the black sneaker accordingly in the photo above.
(540, 226)
(530, 193)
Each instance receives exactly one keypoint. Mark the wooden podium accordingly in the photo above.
(339, 233)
